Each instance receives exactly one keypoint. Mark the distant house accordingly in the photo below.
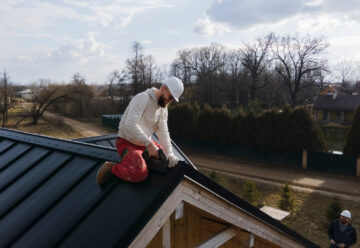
(25, 94)
(338, 89)
(335, 106)
(49, 198)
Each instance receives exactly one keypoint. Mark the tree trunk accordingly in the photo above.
(35, 120)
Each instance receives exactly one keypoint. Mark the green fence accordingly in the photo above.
(111, 120)
(281, 158)
(316, 161)
(332, 163)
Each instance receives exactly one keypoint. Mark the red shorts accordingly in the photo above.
(132, 167)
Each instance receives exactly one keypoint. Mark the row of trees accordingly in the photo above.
(288, 129)
(273, 67)
(274, 70)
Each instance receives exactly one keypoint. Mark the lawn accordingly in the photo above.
(309, 214)
(46, 126)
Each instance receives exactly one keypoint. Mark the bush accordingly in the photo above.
(182, 120)
(286, 202)
(221, 124)
(333, 210)
(352, 145)
(250, 194)
(215, 176)
(205, 124)
(290, 130)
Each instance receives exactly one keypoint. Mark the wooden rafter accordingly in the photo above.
(220, 238)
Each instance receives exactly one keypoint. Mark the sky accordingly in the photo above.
(54, 39)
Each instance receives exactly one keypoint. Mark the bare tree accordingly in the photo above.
(254, 57)
(235, 70)
(181, 66)
(296, 57)
(345, 72)
(114, 78)
(204, 64)
(133, 66)
(80, 93)
(44, 94)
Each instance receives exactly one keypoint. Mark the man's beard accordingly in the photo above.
(343, 222)
(161, 101)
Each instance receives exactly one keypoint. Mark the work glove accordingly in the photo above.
(173, 160)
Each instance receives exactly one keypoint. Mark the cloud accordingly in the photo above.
(248, 13)
(206, 27)
(41, 16)
(113, 13)
(80, 51)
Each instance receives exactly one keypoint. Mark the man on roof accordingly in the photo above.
(146, 114)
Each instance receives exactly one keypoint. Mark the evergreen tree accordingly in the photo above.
(352, 145)
(251, 194)
(333, 210)
(286, 202)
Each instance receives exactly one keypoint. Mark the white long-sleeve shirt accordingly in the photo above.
(142, 118)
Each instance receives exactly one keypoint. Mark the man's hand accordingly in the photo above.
(341, 245)
(153, 150)
(332, 241)
(173, 160)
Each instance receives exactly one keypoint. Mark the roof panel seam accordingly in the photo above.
(10, 161)
(34, 163)
(36, 187)
(52, 205)
(108, 190)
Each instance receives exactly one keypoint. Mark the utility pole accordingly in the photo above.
(5, 103)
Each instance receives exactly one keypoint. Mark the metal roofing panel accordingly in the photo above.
(70, 210)
(30, 210)
(60, 144)
(5, 144)
(186, 170)
(117, 219)
(19, 166)
(30, 181)
(12, 154)
(53, 199)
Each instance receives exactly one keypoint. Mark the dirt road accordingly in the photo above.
(86, 129)
(341, 186)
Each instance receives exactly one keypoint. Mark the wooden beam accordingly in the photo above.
(159, 219)
(179, 212)
(251, 240)
(220, 238)
(166, 234)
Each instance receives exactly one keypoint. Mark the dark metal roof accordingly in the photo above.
(49, 197)
(189, 171)
(340, 103)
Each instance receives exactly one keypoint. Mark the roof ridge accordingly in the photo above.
(96, 138)
(71, 146)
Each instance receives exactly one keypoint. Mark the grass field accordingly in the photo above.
(309, 214)
(46, 126)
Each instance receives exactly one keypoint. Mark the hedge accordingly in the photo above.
(352, 145)
(289, 130)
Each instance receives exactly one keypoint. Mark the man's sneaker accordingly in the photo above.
(104, 173)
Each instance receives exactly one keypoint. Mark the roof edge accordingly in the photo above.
(96, 138)
(86, 149)
(248, 208)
